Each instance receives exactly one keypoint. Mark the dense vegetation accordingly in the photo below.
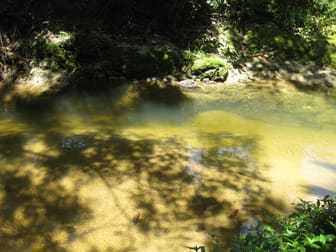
(311, 227)
(100, 40)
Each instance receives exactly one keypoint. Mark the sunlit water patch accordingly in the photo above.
(140, 170)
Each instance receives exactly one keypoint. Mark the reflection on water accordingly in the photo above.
(123, 171)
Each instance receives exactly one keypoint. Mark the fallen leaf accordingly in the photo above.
(233, 213)
(200, 228)
(136, 218)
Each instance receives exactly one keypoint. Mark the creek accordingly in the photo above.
(154, 169)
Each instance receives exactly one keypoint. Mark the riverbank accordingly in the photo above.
(41, 81)
(260, 69)
(55, 56)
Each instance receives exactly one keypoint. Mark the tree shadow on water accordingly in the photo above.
(157, 187)
(38, 211)
(161, 93)
(37, 216)
(174, 185)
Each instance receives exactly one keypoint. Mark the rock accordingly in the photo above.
(247, 227)
(221, 78)
(239, 152)
(236, 76)
(74, 142)
(195, 175)
(309, 75)
(188, 83)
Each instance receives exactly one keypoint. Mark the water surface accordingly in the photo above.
(154, 169)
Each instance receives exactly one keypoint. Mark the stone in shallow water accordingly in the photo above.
(74, 142)
(233, 151)
(188, 83)
(249, 226)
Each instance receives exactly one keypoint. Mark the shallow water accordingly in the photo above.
(154, 169)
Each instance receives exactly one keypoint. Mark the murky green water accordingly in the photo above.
(154, 169)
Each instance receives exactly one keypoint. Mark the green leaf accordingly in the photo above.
(332, 224)
(330, 237)
(323, 239)
(301, 249)
(63, 33)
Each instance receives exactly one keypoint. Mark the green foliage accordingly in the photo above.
(312, 227)
(214, 245)
(304, 17)
(283, 44)
(57, 51)
(260, 238)
(101, 57)
(141, 38)
(197, 248)
(330, 55)
(303, 25)
(171, 18)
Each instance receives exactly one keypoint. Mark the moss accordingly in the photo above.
(209, 66)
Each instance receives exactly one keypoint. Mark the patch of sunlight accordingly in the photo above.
(74, 124)
(127, 100)
(89, 152)
(217, 121)
(20, 216)
(60, 237)
(58, 38)
(285, 151)
(153, 130)
(104, 119)
(9, 126)
(36, 174)
(279, 40)
(320, 160)
(38, 81)
(38, 146)
(30, 88)
(70, 181)
(103, 136)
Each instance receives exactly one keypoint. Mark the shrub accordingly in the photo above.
(311, 227)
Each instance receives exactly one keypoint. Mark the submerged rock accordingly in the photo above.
(195, 175)
(74, 142)
(251, 226)
(233, 151)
